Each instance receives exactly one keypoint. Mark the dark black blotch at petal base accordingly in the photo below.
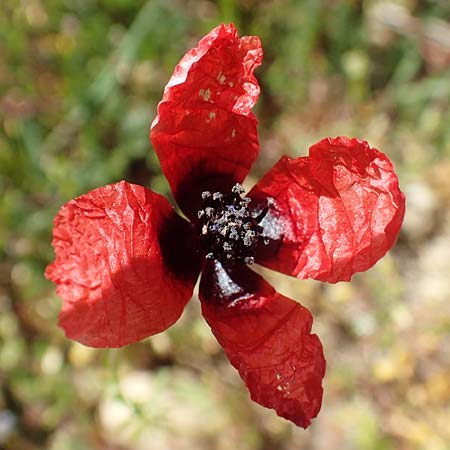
(271, 224)
(228, 284)
(180, 248)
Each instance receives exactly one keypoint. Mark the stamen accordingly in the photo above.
(227, 228)
(237, 189)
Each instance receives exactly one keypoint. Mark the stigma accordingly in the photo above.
(227, 228)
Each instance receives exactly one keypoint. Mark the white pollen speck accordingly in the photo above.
(212, 115)
(221, 77)
(233, 133)
(205, 94)
(231, 84)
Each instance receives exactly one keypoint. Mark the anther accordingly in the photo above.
(234, 234)
(237, 189)
(228, 229)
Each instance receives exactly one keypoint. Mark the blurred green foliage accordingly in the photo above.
(79, 84)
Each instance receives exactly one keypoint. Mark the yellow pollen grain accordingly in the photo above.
(221, 78)
(205, 94)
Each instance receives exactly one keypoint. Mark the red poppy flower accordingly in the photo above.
(126, 262)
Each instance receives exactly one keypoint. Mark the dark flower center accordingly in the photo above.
(228, 229)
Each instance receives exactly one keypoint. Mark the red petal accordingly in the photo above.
(114, 265)
(267, 337)
(337, 211)
(205, 133)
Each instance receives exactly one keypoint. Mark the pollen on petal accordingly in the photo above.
(205, 133)
(267, 337)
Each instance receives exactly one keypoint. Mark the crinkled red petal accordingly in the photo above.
(337, 211)
(115, 266)
(205, 133)
(267, 337)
